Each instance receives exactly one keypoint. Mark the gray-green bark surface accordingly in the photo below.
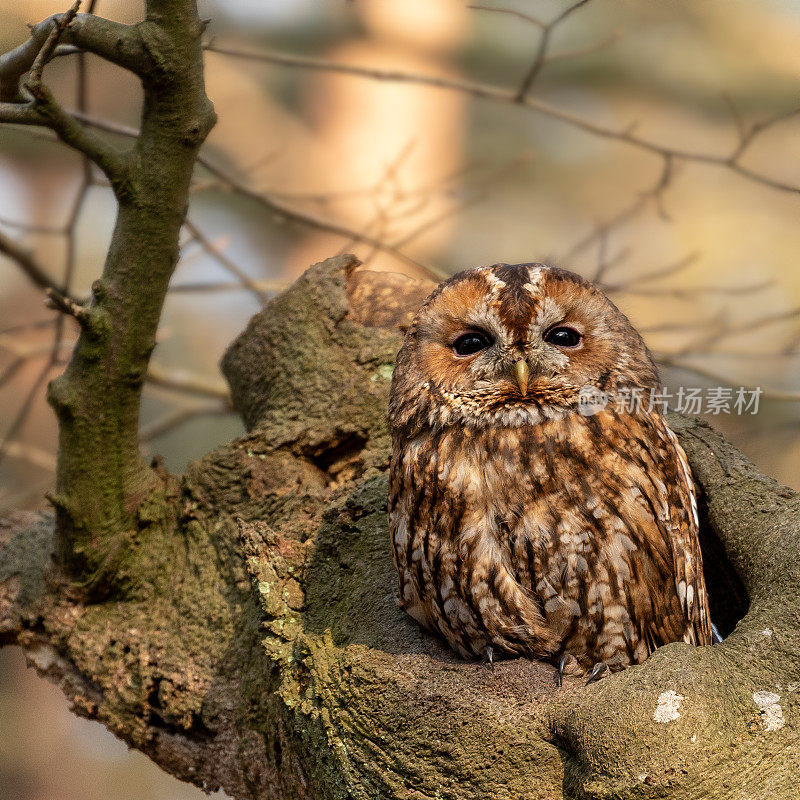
(259, 647)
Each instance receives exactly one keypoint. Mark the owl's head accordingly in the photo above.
(510, 345)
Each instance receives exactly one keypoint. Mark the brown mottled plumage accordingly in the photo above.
(520, 524)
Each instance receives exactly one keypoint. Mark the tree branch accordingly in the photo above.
(30, 102)
(503, 95)
(102, 479)
(280, 209)
(219, 256)
(541, 57)
(262, 650)
(113, 41)
(45, 111)
(29, 266)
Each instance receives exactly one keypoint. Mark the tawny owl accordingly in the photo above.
(521, 521)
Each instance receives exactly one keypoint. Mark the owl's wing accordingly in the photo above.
(667, 595)
(649, 566)
(684, 538)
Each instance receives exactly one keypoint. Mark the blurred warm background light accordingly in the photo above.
(444, 180)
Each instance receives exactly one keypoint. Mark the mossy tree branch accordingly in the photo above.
(262, 649)
(102, 481)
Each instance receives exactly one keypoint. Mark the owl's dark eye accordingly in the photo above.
(470, 343)
(563, 337)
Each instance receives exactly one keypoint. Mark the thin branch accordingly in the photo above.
(578, 52)
(480, 191)
(182, 381)
(689, 292)
(56, 30)
(281, 210)
(666, 360)
(290, 214)
(30, 267)
(178, 417)
(44, 110)
(540, 58)
(503, 95)
(265, 288)
(59, 302)
(511, 11)
(707, 343)
(219, 256)
(630, 212)
(113, 41)
(15, 63)
(656, 274)
(746, 137)
(32, 103)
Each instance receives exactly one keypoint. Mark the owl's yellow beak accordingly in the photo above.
(522, 372)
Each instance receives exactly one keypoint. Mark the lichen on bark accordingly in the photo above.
(260, 647)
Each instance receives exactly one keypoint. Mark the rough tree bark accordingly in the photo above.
(238, 624)
(259, 646)
(106, 495)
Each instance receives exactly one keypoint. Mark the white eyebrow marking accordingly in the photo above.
(495, 284)
(548, 313)
(535, 278)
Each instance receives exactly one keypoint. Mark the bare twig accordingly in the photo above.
(540, 58)
(667, 360)
(113, 41)
(265, 288)
(186, 382)
(578, 52)
(43, 56)
(61, 303)
(503, 95)
(689, 292)
(219, 256)
(29, 266)
(33, 103)
(630, 212)
(178, 417)
(307, 219)
(43, 110)
(511, 11)
(277, 208)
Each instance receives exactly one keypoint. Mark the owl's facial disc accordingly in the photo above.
(513, 343)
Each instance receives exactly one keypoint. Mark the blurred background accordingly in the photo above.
(306, 163)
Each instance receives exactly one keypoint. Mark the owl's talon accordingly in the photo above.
(600, 670)
(566, 665)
